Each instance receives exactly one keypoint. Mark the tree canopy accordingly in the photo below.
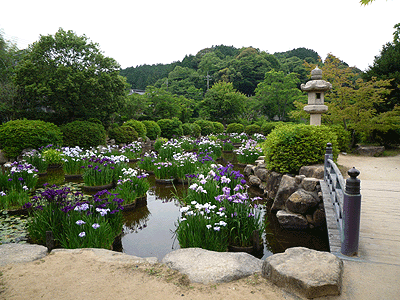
(222, 103)
(65, 77)
(277, 93)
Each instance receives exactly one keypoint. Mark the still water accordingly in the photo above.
(149, 230)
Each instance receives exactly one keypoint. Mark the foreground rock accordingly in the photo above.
(203, 266)
(307, 272)
(20, 253)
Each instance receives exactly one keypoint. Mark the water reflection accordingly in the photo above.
(149, 229)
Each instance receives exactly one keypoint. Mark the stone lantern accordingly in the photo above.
(315, 89)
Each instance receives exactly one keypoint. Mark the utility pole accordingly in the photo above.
(208, 78)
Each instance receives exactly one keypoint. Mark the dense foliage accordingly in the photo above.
(22, 134)
(138, 126)
(123, 134)
(83, 134)
(289, 147)
(153, 129)
(65, 77)
(235, 128)
(170, 127)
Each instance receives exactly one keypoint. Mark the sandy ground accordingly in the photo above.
(72, 276)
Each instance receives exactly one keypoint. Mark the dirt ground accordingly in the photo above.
(82, 276)
(72, 276)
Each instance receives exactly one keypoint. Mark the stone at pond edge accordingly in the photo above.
(307, 272)
(316, 171)
(287, 187)
(20, 253)
(291, 220)
(204, 266)
(301, 201)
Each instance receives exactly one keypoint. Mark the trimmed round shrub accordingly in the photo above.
(218, 127)
(138, 126)
(187, 128)
(267, 127)
(235, 128)
(18, 135)
(196, 130)
(170, 127)
(153, 129)
(83, 134)
(123, 134)
(252, 129)
(207, 127)
(289, 147)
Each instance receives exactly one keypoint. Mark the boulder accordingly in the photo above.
(272, 183)
(319, 218)
(248, 170)
(287, 187)
(310, 184)
(204, 266)
(306, 272)
(301, 201)
(254, 180)
(21, 253)
(299, 179)
(291, 220)
(262, 174)
(370, 150)
(316, 171)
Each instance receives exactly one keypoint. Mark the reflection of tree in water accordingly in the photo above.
(168, 192)
(136, 220)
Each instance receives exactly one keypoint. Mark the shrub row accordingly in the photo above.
(22, 134)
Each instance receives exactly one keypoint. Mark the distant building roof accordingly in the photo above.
(136, 91)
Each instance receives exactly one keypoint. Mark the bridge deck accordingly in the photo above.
(380, 222)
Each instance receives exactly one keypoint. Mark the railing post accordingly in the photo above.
(351, 214)
(328, 155)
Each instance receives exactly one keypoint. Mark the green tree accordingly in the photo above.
(162, 104)
(250, 66)
(277, 93)
(66, 77)
(9, 55)
(387, 66)
(352, 101)
(222, 103)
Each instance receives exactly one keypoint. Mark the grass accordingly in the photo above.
(391, 152)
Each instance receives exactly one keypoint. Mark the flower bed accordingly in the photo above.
(219, 209)
(76, 221)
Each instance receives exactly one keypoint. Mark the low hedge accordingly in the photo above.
(289, 147)
(235, 128)
(138, 126)
(153, 129)
(18, 135)
(123, 134)
(170, 127)
(84, 134)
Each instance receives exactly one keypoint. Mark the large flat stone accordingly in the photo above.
(203, 266)
(20, 253)
(307, 272)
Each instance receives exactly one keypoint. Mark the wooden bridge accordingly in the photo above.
(374, 273)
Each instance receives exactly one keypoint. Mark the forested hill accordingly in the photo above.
(244, 67)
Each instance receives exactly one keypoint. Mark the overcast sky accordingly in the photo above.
(137, 32)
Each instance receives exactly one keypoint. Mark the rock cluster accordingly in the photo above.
(297, 200)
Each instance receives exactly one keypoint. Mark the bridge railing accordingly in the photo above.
(345, 198)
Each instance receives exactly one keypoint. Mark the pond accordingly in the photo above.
(149, 229)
